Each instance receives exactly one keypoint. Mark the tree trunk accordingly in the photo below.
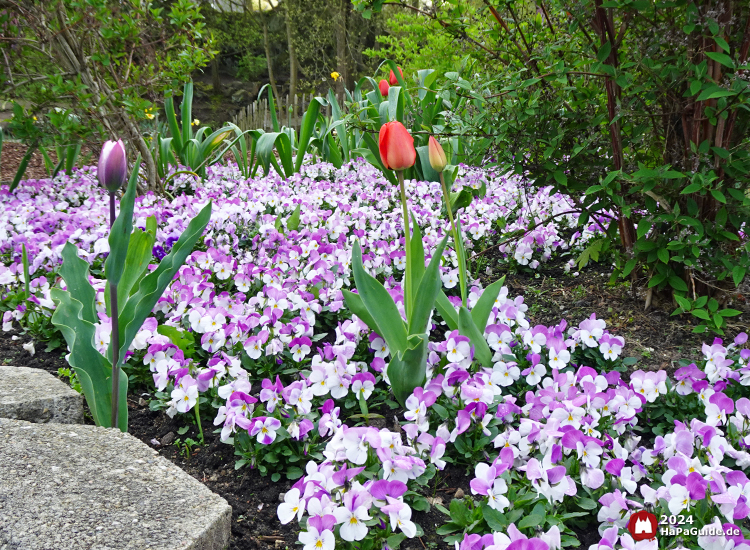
(292, 53)
(341, 46)
(267, 46)
(215, 80)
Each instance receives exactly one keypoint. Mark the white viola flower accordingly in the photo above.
(293, 505)
(504, 375)
(458, 349)
(535, 374)
(450, 279)
(380, 347)
(559, 359)
(185, 397)
(535, 341)
(352, 522)
(679, 499)
(589, 453)
(715, 416)
(312, 539)
(402, 520)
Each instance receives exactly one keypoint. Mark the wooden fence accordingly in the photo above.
(288, 110)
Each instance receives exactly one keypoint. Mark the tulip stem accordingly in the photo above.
(407, 242)
(461, 264)
(114, 316)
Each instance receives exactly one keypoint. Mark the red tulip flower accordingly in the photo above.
(396, 146)
(392, 78)
(384, 87)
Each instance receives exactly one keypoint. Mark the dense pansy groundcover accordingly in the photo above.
(254, 331)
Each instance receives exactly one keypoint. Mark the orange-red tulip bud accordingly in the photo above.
(384, 87)
(396, 146)
(392, 78)
(437, 155)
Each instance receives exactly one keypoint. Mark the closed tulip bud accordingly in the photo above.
(384, 87)
(392, 77)
(113, 166)
(221, 137)
(396, 146)
(437, 155)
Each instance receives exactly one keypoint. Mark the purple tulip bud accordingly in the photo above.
(113, 166)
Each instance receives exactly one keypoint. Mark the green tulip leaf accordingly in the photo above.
(75, 273)
(152, 286)
(446, 310)
(379, 304)
(425, 296)
(357, 307)
(481, 311)
(119, 235)
(408, 368)
(466, 327)
(94, 371)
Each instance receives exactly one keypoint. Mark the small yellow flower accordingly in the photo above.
(149, 116)
(335, 76)
(35, 119)
(195, 122)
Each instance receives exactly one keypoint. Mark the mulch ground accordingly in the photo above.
(12, 153)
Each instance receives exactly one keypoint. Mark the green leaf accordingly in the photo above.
(482, 309)
(119, 235)
(714, 92)
(629, 267)
(677, 283)
(719, 196)
(531, 521)
(94, 371)
(466, 327)
(692, 188)
(408, 368)
(738, 274)
(152, 286)
(587, 503)
(379, 304)
(182, 339)
(306, 132)
(429, 286)
(459, 512)
(560, 177)
(663, 255)
(394, 541)
(75, 273)
(447, 311)
(701, 314)
(279, 141)
(643, 226)
(355, 305)
(136, 263)
(729, 312)
(293, 222)
(722, 58)
(604, 52)
(495, 520)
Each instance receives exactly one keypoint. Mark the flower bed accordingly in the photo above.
(254, 332)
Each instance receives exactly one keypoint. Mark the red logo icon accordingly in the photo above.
(642, 525)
